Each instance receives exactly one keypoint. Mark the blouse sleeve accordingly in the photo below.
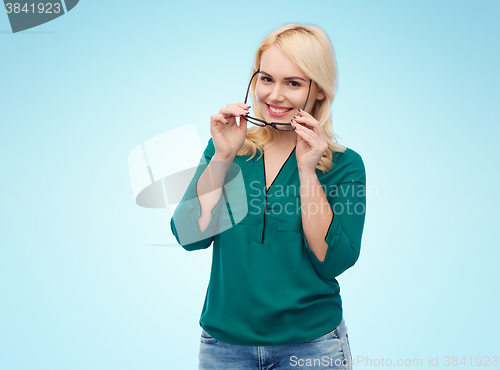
(184, 222)
(348, 204)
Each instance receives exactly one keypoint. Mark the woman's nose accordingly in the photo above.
(276, 94)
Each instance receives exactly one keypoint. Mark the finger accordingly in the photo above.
(213, 121)
(243, 105)
(307, 135)
(222, 119)
(303, 121)
(218, 119)
(311, 121)
(243, 124)
(311, 137)
(301, 128)
(233, 110)
(239, 107)
(304, 113)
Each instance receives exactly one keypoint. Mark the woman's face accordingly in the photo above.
(282, 87)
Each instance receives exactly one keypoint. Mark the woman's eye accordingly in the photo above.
(268, 80)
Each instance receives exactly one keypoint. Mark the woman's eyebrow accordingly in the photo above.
(286, 78)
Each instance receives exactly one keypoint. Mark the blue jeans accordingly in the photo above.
(330, 351)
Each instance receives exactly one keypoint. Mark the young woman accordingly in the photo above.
(273, 301)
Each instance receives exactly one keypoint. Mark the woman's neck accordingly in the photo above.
(286, 140)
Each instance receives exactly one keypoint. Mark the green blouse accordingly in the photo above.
(266, 285)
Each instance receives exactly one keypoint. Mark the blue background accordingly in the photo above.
(417, 98)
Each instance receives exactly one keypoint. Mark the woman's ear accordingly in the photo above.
(320, 96)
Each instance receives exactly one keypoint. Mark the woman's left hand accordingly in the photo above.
(311, 143)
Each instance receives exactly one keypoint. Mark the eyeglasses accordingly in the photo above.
(262, 123)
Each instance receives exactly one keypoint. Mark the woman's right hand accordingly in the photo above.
(228, 138)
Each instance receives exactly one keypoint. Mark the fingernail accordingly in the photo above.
(300, 110)
(295, 116)
(226, 121)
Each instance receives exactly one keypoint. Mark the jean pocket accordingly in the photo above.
(348, 345)
(205, 337)
(290, 217)
(327, 336)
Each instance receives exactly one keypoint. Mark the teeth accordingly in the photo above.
(279, 110)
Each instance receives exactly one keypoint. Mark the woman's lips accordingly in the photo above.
(274, 114)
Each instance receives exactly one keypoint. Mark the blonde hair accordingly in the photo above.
(310, 48)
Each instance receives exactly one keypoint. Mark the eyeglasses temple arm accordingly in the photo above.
(250, 83)
(310, 82)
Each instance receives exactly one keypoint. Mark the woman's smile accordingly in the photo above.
(277, 111)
